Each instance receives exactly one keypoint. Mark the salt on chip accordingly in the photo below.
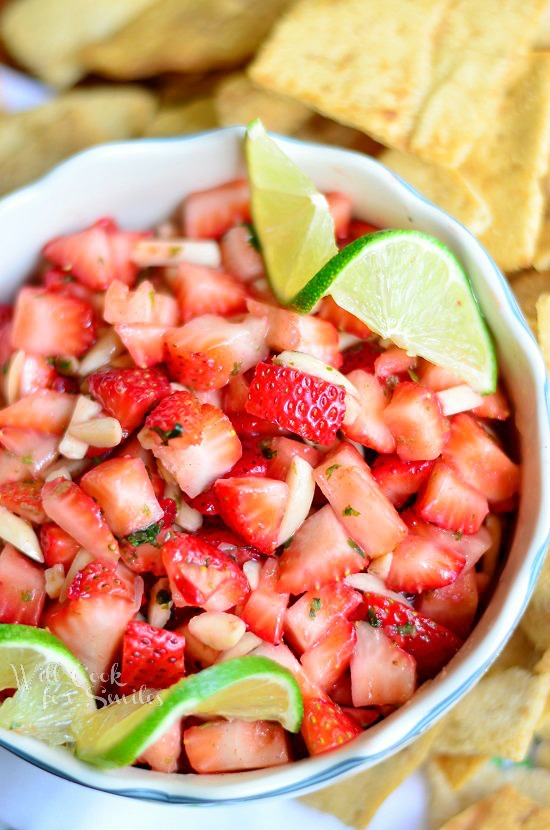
(508, 167)
(498, 717)
(355, 800)
(446, 188)
(239, 101)
(185, 36)
(536, 620)
(543, 327)
(46, 36)
(184, 118)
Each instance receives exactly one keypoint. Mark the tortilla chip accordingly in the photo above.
(355, 800)
(542, 38)
(543, 326)
(518, 651)
(239, 101)
(446, 188)
(543, 754)
(458, 769)
(498, 717)
(46, 36)
(543, 665)
(521, 133)
(361, 62)
(527, 287)
(181, 119)
(185, 36)
(536, 620)
(541, 259)
(538, 820)
(505, 809)
(323, 130)
(32, 142)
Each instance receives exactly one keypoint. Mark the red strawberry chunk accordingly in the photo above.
(326, 726)
(281, 451)
(202, 290)
(330, 656)
(399, 480)
(144, 305)
(123, 490)
(46, 323)
(144, 342)
(393, 365)
(128, 394)
(22, 588)
(24, 499)
(495, 406)
(163, 755)
(143, 558)
(450, 503)
(479, 460)
(340, 206)
(201, 575)
(57, 546)
(44, 411)
(228, 542)
(415, 420)
(208, 214)
(471, 546)
(36, 374)
(264, 610)
(170, 510)
(381, 672)
(418, 564)
(151, 657)
(359, 228)
(454, 605)
(319, 553)
(343, 320)
(177, 416)
(6, 348)
(362, 356)
(254, 508)
(431, 645)
(209, 350)
(435, 377)
(315, 612)
(239, 745)
(283, 655)
(78, 514)
(369, 427)
(239, 257)
(304, 404)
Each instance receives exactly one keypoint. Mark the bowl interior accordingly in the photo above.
(139, 184)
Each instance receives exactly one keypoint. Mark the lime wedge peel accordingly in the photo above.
(291, 218)
(409, 287)
(250, 688)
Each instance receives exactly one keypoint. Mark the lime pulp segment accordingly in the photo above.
(409, 287)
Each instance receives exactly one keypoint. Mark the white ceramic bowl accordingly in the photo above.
(139, 183)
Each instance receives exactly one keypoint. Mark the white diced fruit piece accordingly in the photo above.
(150, 252)
(19, 533)
(12, 380)
(85, 409)
(301, 488)
(160, 603)
(60, 472)
(187, 517)
(246, 644)
(381, 565)
(251, 570)
(55, 578)
(104, 349)
(458, 399)
(217, 629)
(99, 432)
(370, 583)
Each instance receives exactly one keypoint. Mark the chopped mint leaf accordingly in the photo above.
(149, 534)
(27, 459)
(164, 598)
(27, 596)
(267, 452)
(373, 619)
(329, 471)
(407, 630)
(354, 546)
(314, 607)
(236, 368)
(413, 376)
(166, 435)
(253, 240)
(350, 511)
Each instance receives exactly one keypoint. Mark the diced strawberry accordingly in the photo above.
(198, 466)
(326, 726)
(144, 305)
(479, 460)
(164, 753)
(124, 493)
(145, 343)
(201, 575)
(97, 255)
(22, 588)
(36, 450)
(46, 323)
(78, 514)
(128, 394)
(381, 672)
(209, 350)
(57, 546)
(61, 282)
(228, 542)
(281, 451)
(343, 320)
(495, 406)
(359, 228)
(288, 330)
(316, 611)
(37, 373)
(453, 606)
(239, 745)
(417, 564)
(93, 622)
(201, 290)
(12, 468)
(170, 509)
(339, 205)
(431, 645)
(68, 385)
(239, 256)
(254, 508)
(235, 394)
(415, 420)
(249, 426)
(208, 214)
(6, 348)
(283, 655)
(368, 516)
(304, 404)
(393, 365)
(369, 427)
(251, 463)
(330, 656)
(362, 356)
(151, 657)
(44, 411)
(24, 499)
(450, 503)
(365, 717)
(471, 546)
(399, 480)
(319, 553)
(143, 558)
(177, 416)
(435, 377)
(264, 610)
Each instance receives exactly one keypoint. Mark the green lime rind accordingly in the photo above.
(409, 287)
(291, 218)
(250, 688)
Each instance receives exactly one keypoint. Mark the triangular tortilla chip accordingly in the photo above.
(181, 119)
(527, 287)
(458, 769)
(505, 809)
(536, 620)
(239, 101)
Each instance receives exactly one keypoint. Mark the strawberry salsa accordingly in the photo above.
(190, 472)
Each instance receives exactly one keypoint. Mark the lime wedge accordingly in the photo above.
(409, 287)
(291, 218)
(250, 688)
(54, 694)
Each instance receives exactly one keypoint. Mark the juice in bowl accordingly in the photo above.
(268, 505)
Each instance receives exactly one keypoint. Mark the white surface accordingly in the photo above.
(31, 799)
